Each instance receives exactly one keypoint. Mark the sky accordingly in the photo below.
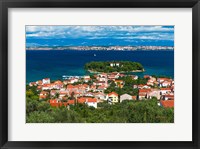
(99, 36)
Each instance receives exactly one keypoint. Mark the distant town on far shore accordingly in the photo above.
(107, 48)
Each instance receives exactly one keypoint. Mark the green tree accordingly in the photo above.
(39, 117)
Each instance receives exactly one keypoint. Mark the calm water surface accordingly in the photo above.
(56, 63)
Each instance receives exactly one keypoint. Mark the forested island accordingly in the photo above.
(113, 66)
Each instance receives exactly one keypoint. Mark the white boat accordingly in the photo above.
(94, 54)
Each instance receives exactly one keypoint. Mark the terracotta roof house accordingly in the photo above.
(119, 83)
(143, 93)
(70, 102)
(112, 97)
(46, 86)
(46, 81)
(54, 103)
(43, 95)
(147, 76)
(89, 101)
(167, 103)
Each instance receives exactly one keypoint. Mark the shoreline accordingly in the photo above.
(91, 71)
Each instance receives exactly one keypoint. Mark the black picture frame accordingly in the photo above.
(5, 4)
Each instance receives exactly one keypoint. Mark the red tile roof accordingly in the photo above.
(86, 99)
(164, 79)
(134, 97)
(165, 89)
(146, 76)
(70, 102)
(44, 92)
(54, 104)
(70, 86)
(46, 85)
(85, 85)
(46, 78)
(112, 93)
(63, 93)
(92, 100)
(144, 90)
(167, 103)
(119, 81)
(169, 95)
(114, 73)
(87, 79)
(81, 100)
(53, 101)
(58, 82)
(32, 83)
(65, 104)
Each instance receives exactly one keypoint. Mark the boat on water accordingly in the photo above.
(95, 55)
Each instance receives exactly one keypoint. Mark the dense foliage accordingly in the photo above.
(146, 111)
(123, 66)
(161, 76)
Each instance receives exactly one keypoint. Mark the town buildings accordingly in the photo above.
(125, 97)
(91, 91)
(112, 98)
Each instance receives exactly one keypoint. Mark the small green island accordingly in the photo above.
(113, 66)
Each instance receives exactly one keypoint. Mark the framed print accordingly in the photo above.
(99, 74)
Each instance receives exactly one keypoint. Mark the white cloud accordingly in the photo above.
(101, 32)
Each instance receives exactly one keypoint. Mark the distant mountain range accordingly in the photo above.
(118, 48)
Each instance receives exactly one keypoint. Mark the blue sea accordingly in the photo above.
(56, 63)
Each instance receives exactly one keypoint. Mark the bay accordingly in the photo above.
(56, 63)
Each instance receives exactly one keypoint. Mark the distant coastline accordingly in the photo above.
(91, 71)
(105, 48)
